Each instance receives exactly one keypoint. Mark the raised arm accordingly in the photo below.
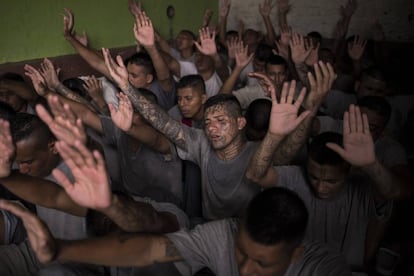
(358, 149)
(265, 9)
(242, 60)
(355, 52)
(153, 113)
(145, 35)
(283, 8)
(113, 250)
(207, 46)
(223, 14)
(91, 189)
(94, 88)
(320, 84)
(284, 119)
(299, 54)
(144, 133)
(92, 57)
(7, 148)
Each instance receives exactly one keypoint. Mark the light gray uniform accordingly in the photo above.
(340, 222)
(212, 245)
(225, 190)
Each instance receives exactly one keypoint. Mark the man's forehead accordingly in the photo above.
(216, 110)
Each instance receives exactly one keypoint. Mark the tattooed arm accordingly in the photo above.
(153, 113)
(111, 250)
(284, 119)
(319, 87)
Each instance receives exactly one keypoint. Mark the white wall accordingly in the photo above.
(396, 16)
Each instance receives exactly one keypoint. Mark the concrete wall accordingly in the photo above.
(396, 16)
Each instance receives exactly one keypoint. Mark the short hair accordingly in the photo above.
(230, 102)
(374, 73)
(263, 52)
(6, 111)
(276, 215)
(76, 85)
(148, 94)
(315, 36)
(12, 76)
(190, 33)
(232, 33)
(25, 125)
(321, 154)
(141, 59)
(192, 81)
(257, 118)
(377, 104)
(276, 60)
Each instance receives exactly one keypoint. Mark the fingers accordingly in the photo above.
(63, 179)
(15, 207)
(336, 148)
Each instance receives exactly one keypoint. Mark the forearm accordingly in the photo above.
(156, 116)
(220, 67)
(223, 30)
(115, 250)
(302, 73)
(135, 216)
(262, 159)
(228, 85)
(282, 19)
(150, 137)
(293, 142)
(270, 31)
(384, 181)
(161, 68)
(41, 192)
(94, 59)
(67, 93)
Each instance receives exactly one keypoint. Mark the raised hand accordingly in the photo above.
(284, 116)
(68, 22)
(122, 117)
(50, 74)
(299, 52)
(242, 55)
(40, 238)
(208, 13)
(64, 125)
(83, 38)
(356, 48)
(283, 6)
(265, 8)
(225, 8)
(7, 148)
(207, 45)
(358, 146)
(285, 35)
(91, 187)
(117, 69)
(135, 7)
(265, 82)
(313, 56)
(38, 81)
(325, 76)
(232, 45)
(93, 86)
(144, 31)
(349, 9)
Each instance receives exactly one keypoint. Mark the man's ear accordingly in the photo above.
(241, 123)
(52, 148)
(149, 78)
(297, 253)
(203, 98)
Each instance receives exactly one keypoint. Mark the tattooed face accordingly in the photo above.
(220, 127)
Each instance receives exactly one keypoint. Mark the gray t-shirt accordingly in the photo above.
(63, 225)
(340, 222)
(212, 245)
(145, 172)
(225, 190)
(166, 99)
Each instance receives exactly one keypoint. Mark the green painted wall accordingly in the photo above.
(31, 29)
